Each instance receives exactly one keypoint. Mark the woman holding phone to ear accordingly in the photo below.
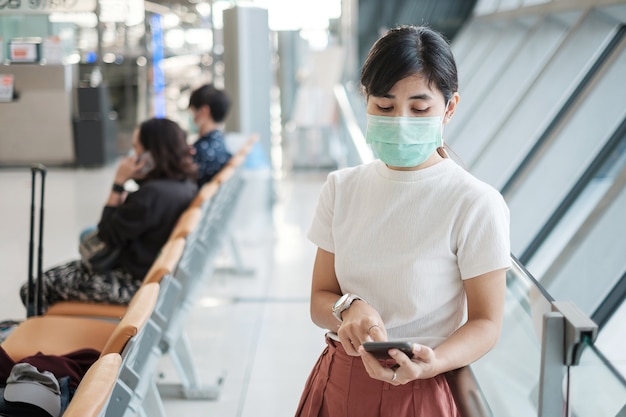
(411, 247)
(138, 222)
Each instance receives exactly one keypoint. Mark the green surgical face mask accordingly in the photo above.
(404, 141)
(193, 129)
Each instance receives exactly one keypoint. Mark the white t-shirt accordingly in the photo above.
(405, 240)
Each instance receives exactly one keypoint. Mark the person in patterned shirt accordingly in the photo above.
(209, 107)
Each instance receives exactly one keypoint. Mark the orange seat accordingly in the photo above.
(87, 309)
(206, 192)
(240, 156)
(95, 388)
(56, 335)
(247, 147)
(187, 222)
(139, 311)
(164, 264)
(236, 160)
(167, 260)
(224, 174)
(60, 335)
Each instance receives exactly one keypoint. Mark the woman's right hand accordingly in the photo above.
(126, 169)
(361, 323)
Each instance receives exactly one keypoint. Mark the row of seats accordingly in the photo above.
(133, 338)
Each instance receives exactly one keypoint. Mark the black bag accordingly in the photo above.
(96, 255)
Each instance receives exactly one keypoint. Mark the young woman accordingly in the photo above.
(411, 247)
(138, 222)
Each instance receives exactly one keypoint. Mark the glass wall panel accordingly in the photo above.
(574, 146)
(594, 260)
(486, 6)
(508, 36)
(585, 234)
(471, 49)
(595, 389)
(464, 41)
(544, 99)
(509, 374)
(505, 91)
(617, 11)
(611, 339)
(579, 212)
(22, 26)
(509, 4)
(534, 2)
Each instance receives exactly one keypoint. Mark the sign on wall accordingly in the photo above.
(46, 6)
(6, 87)
(26, 51)
(130, 12)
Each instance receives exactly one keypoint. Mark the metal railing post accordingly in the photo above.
(565, 331)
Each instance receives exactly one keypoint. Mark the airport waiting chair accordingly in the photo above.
(240, 156)
(232, 187)
(59, 335)
(205, 193)
(193, 271)
(94, 390)
(56, 335)
(234, 168)
(134, 320)
(135, 391)
(216, 203)
(187, 222)
(164, 264)
(236, 160)
(224, 174)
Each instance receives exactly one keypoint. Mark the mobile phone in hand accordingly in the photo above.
(148, 163)
(380, 350)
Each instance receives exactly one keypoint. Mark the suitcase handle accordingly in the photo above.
(33, 303)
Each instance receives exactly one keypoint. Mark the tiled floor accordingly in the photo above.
(251, 329)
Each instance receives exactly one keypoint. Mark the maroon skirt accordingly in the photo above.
(339, 386)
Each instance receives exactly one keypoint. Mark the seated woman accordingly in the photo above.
(139, 222)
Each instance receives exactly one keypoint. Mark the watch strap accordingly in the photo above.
(343, 304)
(118, 188)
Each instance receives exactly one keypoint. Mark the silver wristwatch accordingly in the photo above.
(343, 304)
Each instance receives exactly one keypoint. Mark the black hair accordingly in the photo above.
(408, 50)
(216, 99)
(167, 143)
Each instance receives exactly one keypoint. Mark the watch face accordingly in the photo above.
(340, 301)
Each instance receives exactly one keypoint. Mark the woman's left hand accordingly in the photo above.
(421, 366)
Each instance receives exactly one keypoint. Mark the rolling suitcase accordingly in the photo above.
(33, 297)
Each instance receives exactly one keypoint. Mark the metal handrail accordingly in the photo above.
(357, 139)
(468, 397)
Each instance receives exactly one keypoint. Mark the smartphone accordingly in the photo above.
(380, 350)
(148, 163)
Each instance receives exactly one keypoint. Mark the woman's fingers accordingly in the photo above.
(377, 332)
(351, 346)
(405, 370)
(423, 353)
(353, 334)
(377, 371)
